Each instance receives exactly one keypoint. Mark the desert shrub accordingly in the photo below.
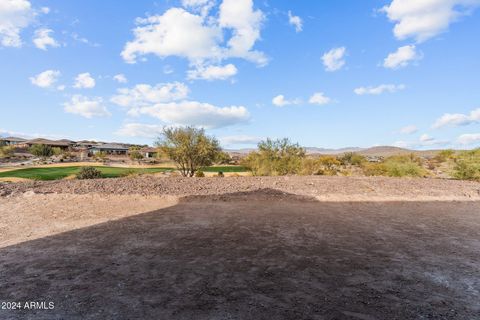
(190, 148)
(324, 165)
(199, 174)
(100, 156)
(220, 174)
(467, 165)
(134, 154)
(275, 158)
(56, 151)
(89, 173)
(444, 155)
(131, 173)
(41, 150)
(223, 158)
(352, 158)
(6, 152)
(396, 166)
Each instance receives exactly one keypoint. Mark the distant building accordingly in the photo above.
(149, 152)
(62, 144)
(109, 148)
(14, 141)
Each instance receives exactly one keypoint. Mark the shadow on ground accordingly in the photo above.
(264, 255)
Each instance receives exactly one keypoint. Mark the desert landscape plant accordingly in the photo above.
(467, 165)
(6, 152)
(396, 166)
(134, 154)
(41, 150)
(275, 158)
(190, 148)
(89, 173)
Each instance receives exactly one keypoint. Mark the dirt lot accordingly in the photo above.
(242, 248)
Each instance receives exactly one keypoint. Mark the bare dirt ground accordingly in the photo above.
(242, 248)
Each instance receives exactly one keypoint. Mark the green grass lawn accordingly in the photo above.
(56, 173)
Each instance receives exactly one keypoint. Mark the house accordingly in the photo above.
(149, 152)
(62, 144)
(14, 141)
(109, 148)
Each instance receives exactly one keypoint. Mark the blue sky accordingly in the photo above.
(324, 73)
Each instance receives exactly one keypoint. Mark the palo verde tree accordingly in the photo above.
(190, 148)
(275, 157)
(41, 150)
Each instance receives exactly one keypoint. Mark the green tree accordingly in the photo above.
(41, 150)
(275, 157)
(190, 148)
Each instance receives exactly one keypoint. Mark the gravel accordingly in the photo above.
(314, 186)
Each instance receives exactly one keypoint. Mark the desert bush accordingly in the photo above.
(100, 156)
(223, 158)
(324, 165)
(89, 173)
(444, 155)
(190, 148)
(396, 166)
(352, 158)
(467, 165)
(56, 151)
(275, 158)
(41, 150)
(131, 173)
(220, 174)
(6, 152)
(200, 174)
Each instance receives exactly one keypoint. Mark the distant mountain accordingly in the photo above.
(314, 150)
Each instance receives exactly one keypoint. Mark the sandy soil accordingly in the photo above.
(277, 248)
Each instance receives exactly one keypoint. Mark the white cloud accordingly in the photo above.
(280, 101)
(196, 114)
(409, 129)
(146, 95)
(42, 39)
(45, 79)
(391, 88)
(319, 98)
(423, 141)
(240, 139)
(469, 138)
(334, 59)
(425, 19)
(140, 130)
(86, 107)
(295, 21)
(84, 81)
(202, 6)
(213, 72)
(402, 57)
(457, 119)
(199, 38)
(15, 15)
(45, 10)
(120, 78)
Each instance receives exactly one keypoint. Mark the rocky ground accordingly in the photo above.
(316, 186)
(241, 248)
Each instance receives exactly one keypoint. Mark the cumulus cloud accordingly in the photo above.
(457, 119)
(145, 95)
(46, 79)
(423, 20)
(409, 129)
(469, 138)
(196, 114)
(15, 15)
(199, 37)
(86, 107)
(334, 59)
(213, 72)
(295, 21)
(120, 78)
(319, 98)
(402, 57)
(84, 81)
(280, 101)
(42, 39)
(140, 130)
(240, 139)
(391, 88)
